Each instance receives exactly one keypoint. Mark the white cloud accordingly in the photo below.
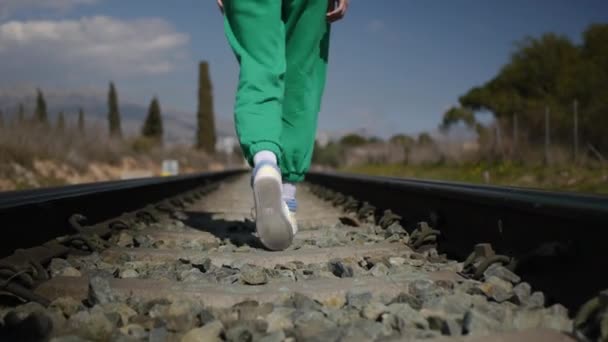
(99, 45)
(8, 7)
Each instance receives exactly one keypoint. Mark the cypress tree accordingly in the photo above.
(60, 122)
(113, 113)
(40, 112)
(153, 126)
(21, 114)
(205, 134)
(81, 120)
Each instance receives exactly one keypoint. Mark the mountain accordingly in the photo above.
(180, 126)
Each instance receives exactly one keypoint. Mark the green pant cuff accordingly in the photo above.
(263, 146)
(293, 177)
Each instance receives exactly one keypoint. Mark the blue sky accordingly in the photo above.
(395, 65)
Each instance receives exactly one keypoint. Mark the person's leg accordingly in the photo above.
(307, 45)
(257, 36)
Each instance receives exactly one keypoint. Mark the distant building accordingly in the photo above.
(322, 139)
(226, 144)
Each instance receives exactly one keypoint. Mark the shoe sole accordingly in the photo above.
(274, 229)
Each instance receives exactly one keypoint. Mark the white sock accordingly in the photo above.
(264, 156)
(289, 191)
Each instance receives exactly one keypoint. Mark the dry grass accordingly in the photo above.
(32, 155)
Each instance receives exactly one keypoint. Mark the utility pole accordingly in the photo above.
(498, 138)
(547, 138)
(575, 130)
(515, 137)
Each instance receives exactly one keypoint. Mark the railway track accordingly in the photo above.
(177, 259)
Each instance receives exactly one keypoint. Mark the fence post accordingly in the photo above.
(515, 137)
(575, 131)
(547, 138)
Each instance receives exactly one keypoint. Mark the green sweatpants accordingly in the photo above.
(282, 48)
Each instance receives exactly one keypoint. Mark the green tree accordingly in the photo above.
(81, 120)
(551, 71)
(401, 139)
(205, 134)
(113, 112)
(153, 126)
(40, 111)
(352, 140)
(425, 139)
(455, 115)
(60, 122)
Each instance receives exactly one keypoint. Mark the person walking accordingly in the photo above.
(282, 49)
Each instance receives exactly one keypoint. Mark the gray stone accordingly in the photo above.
(395, 228)
(453, 304)
(358, 300)
(556, 317)
(94, 325)
(392, 322)
(373, 310)
(280, 319)
(286, 274)
(57, 267)
(311, 323)
(253, 275)
(497, 270)
(301, 302)
(339, 269)
(424, 289)
(251, 310)
(191, 275)
(379, 270)
(124, 239)
(135, 331)
(128, 273)
(124, 312)
(181, 315)
(209, 332)
(99, 291)
(343, 316)
(444, 325)
(521, 293)
(66, 305)
(142, 241)
(527, 319)
(477, 323)
(245, 331)
(70, 272)
(277, 336)
(497, 289)
(412, 301)
(159, 334)
(536, 300)
(205, 316)
(365, 330)
(396, 261)
(410, 316)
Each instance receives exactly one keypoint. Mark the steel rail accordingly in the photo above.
(559, 238)
(32, 217)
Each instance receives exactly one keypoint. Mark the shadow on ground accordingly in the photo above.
(239, 233)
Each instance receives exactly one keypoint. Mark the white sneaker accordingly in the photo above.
(292, 206)
(274, 222)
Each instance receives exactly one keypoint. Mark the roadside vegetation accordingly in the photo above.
(40, 149)
(549, 111)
